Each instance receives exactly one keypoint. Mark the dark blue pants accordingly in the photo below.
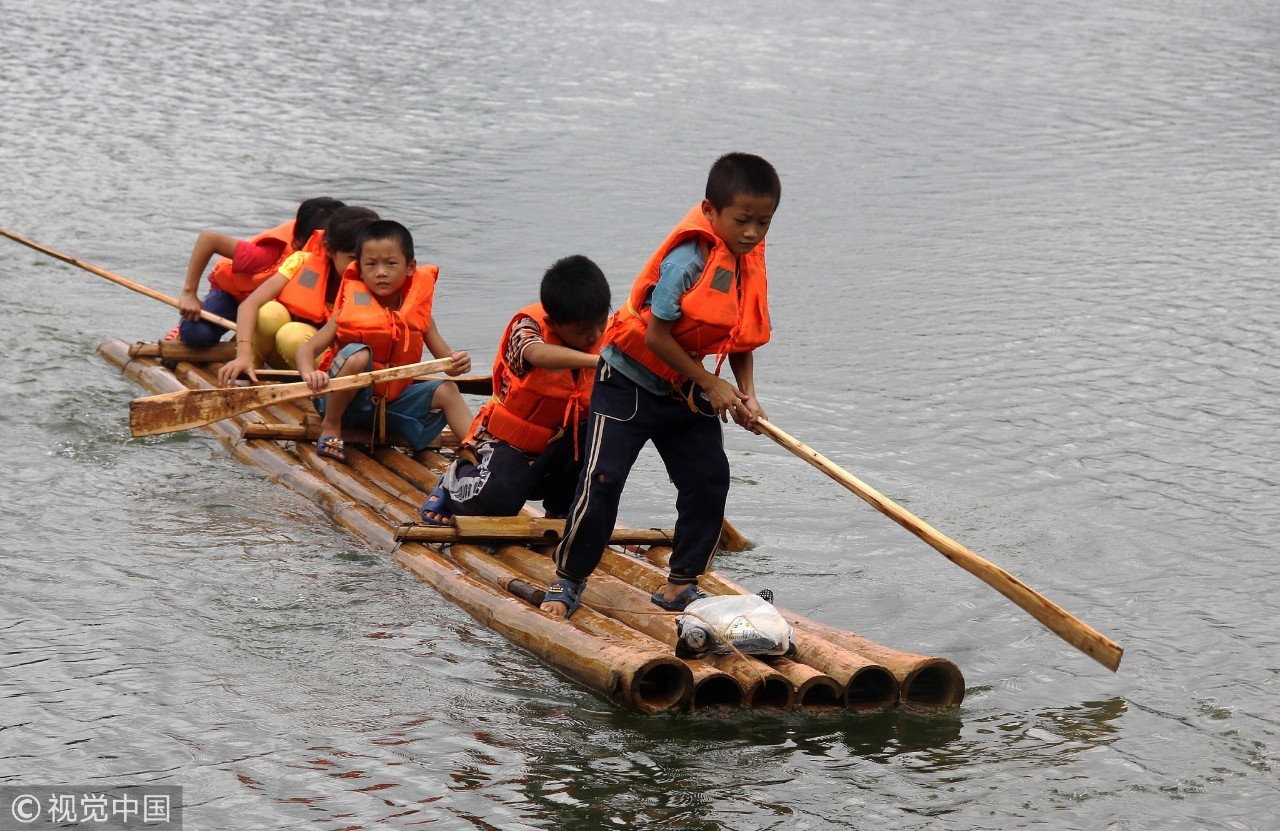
(623, 417)
(503, 478)
(201, 334)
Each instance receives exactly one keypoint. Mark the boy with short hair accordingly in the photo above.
(701, 293)
(243, 266)
(525, 443)
(383, 318)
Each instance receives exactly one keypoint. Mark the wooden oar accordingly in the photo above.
(1072, 630)
(184, 409)
(116, 278)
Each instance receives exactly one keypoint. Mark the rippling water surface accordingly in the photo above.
(1024, 283)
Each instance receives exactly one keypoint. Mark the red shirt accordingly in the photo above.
(251, 257)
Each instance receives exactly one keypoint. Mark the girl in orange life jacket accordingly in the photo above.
(525, 443)
(244, 265)
(307, 286)
(383, 318)
(702, 293)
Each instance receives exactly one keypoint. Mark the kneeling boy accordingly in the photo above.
(525, 442)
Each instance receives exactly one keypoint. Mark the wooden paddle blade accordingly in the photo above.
(185, 409)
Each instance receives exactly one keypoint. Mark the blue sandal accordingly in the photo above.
(437, 502)
(690, 594)
(565, 591)
(332, 447)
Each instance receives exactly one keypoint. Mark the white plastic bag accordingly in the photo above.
(743, 623)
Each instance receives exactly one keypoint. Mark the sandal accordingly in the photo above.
(437, 502)
(690, 594)
(564, 591)
(332, 447)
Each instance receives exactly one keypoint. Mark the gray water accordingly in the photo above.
(1023, 283)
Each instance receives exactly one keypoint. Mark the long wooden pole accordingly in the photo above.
(183, 409)
(1066, 626)
(116, 278)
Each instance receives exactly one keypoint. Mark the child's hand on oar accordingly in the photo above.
(461, 364)
(754, 412)
(317, 379)
(233, 369)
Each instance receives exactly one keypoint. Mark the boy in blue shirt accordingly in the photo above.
(702, 293)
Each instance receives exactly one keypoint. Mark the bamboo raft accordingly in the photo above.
(618, 643)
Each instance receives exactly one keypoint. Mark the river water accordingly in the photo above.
(1023, 283)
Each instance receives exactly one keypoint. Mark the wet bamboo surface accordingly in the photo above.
(618, 643)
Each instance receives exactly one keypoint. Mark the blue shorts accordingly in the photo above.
(410, 416)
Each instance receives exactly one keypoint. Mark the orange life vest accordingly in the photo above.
(538, 404)
(394, 336)
(725, 311)
(305, 293)
(241, 284)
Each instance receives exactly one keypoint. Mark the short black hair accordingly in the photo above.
(345, 226)
(734, 174)
(386, 229)
(313, 214)
(574, 290)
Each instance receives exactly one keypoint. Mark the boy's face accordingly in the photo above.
(383, 267)
(742, 224)
(580, 336)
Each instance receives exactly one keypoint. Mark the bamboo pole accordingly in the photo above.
(1058, 620)
(115, 278)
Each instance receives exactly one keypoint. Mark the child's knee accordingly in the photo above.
(271, 317)
(445, 394)
(199, 334)
(353, 359)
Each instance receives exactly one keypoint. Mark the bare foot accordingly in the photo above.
(555, 608)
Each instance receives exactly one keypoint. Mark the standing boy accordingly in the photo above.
(383, 319)
(525, 442)
(701, 293)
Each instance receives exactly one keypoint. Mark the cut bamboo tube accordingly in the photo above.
(712, 688)
(764, 687)
(867, 685)
(925, 682)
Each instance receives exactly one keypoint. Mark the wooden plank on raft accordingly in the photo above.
(353, 436)
(176, 350)
(520, 529)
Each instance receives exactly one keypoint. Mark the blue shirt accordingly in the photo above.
(680, 269)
